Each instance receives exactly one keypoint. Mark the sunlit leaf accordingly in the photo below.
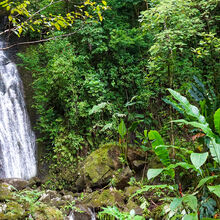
(215, 190)
(217, 121)
(198, 159)
(151, 173)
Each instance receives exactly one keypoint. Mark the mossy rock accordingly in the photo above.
(157, 212)
(13, 211)
(5, 193)
(43, 212)
(132, 205)
(130, 190)
(108, 197)
(99, 167)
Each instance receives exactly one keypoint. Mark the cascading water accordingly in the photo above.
(17, 140)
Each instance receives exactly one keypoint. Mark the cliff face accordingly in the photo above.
(26, 76)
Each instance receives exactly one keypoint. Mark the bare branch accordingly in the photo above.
(4, 32)
(39, 41)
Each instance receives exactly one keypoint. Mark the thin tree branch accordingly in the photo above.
(37, 12)
(39, 41)
(4, 32)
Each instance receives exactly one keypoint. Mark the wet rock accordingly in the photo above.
(129, 191)
(135, 154)
(108, 197)
(122, 178)
(52, 193)
(34, 181)
(45, 198)
(44, 212)
(81, 212)
(99, 167)
(57, 202)
(132, 205)
(52, 198)
(18, 183)
(139, 163)
(5, 192)
(68, 198)
(14, 211)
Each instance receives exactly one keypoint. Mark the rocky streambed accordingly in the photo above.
(102, 180)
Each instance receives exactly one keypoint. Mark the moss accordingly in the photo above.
(131, 205)
(43, 212)
(129, 191)
(5, 193)
(99, 166)
(157, 212)
(108, 197)
(13, 211)
(99, 163)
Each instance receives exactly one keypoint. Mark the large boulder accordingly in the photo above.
(44, 212)
(5, 192)
(81, 212)
(107, 197)
(18, 183)
(53, 198)
(99, 167)
(13, 211)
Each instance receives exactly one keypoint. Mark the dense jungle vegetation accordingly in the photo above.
(141, 74)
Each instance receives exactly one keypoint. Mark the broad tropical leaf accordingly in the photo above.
(215, 150)
(122, 129)
(162, 152)
(191, 201)
(205, 127)
(217, 121)
(215, 190)
(200, 123)
(159, 148)
(198, 159)
(190, 109)
(205, 180)
(156, 138)
(175, 203)
(151, 173)
(191, 216)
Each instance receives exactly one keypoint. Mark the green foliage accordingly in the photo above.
(84, 85)
(156, 138)
(108, 79)
(29, 197)
(200, 123)
(111, 213)
(206, 98)
(158, 147)
(215, 190)
(26, 16)
(190, 201)
(207, 208)
(198, 159)
(177, 29)
(146, 188)
(217, 121)
(122, 129)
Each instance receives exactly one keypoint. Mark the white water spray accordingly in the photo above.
(17, 140)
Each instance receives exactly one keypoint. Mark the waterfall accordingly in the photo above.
(17, 140)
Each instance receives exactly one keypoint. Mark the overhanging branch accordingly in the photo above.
(39, 41)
